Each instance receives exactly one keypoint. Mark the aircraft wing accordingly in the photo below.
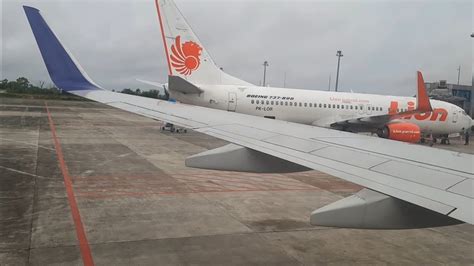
(435, 179)
(438, 180)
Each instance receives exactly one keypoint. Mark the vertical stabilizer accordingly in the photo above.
(64, 70)
(423, 101)
(186, 56)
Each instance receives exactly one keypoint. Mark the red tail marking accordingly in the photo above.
(422, 97)
(163, 37)
(185, 57)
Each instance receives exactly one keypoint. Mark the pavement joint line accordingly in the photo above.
(100, 194)
(22, 172)
(251, 232)
(35, 193)
(80, 232)
(29, 144)
(243, 180)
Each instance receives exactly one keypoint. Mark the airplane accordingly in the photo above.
(406, 185)
(203, 83)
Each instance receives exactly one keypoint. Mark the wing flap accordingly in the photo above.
(298, 144)
(426, 176)
(355, 158)
(428, 197)
(464, 188)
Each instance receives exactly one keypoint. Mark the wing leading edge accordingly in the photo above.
(438, 180)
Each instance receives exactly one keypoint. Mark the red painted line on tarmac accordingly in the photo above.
(81, 234)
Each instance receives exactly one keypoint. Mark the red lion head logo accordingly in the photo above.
(185, 58)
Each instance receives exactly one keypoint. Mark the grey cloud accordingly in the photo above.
(384, 43)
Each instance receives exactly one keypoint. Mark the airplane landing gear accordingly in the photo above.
(445, 140)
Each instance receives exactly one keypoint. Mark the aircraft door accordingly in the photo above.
(232, 102)
(455, 115)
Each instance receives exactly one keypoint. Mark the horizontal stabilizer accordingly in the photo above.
(369, 209)
(241, 159)
(64, 70)
(176, 83)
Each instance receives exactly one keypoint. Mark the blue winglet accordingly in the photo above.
(63, 70)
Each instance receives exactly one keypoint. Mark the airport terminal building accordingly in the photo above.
(460, 95)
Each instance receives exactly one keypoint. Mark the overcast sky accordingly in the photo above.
(383, 42)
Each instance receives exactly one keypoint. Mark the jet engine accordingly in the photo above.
(406, 132)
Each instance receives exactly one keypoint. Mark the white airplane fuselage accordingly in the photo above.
(323, 108)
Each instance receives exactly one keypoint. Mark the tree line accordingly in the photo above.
(22, 86)
(148, 93)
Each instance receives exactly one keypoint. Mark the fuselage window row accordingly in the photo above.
(320, 105)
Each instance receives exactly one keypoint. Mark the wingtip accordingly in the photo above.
(27, 8)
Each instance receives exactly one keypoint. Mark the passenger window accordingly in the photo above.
(252, 101)
(355, 107)
(320, 105)
(291, 103)
(300, 104)
(334, 106)
(281, 103)
(342, 106)
(268, 102)
(286, 103)
(276, 102)
(310, 105)
(305, 105)
(329, 106)
(338, 106)
(271, 102)
(257, 101)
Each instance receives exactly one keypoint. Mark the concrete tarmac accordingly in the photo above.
(139, 204)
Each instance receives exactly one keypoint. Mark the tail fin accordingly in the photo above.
(186, 56)
(63, 69)
(423, 101)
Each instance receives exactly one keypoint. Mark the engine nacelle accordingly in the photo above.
(406, 132)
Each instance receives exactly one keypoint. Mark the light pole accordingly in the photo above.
(339, 55)
(459, 73)
(265, 64)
